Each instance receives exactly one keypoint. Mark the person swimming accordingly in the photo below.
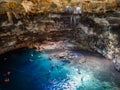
(53, 66)
(79, 72)
(82, 79)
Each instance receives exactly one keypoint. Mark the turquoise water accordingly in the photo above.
(32, 70)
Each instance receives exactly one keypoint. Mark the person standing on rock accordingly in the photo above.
(68, 9)
(76, 15)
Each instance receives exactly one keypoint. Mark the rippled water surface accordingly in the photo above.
(26, 69)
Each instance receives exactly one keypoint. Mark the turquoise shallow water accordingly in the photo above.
(32, 70)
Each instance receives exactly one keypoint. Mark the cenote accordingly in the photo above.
(26, 69)
(59, 44)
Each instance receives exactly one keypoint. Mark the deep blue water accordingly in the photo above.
(32, 70)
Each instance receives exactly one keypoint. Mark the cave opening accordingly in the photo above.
(59, 45)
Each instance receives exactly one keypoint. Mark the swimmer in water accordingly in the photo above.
(81, 79)
(79, 71)
(8, 73)
(6, 80)
(50, 58)
(49, 71)
(30, 60)
(52, 66)
(53, 81)
(32, 55)
(57, 66)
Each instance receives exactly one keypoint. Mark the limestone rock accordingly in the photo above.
(101, 21)
(11, 43)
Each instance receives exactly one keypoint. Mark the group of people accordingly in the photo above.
(75, 13)
(75, 10)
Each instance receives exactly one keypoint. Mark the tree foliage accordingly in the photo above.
(54, 5)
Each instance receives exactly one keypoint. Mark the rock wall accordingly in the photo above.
(101, 35)
(92, 33)
(26, 32)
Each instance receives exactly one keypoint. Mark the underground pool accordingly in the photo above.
(26, 69)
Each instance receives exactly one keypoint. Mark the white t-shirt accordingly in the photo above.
(77, 10)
